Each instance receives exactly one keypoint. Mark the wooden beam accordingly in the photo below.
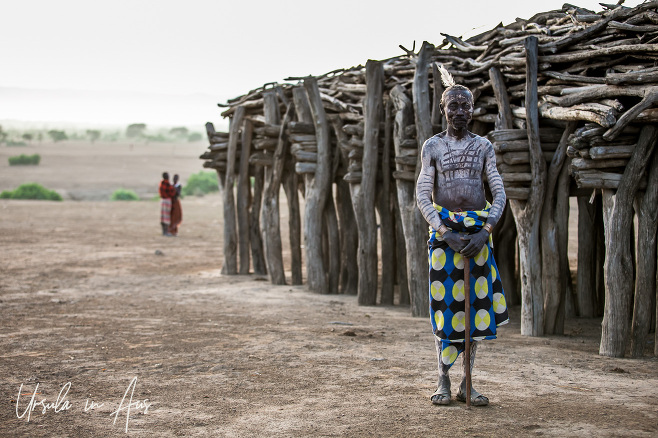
(316, 192)
(244, 199)
(269, 216)
(230, 224)
(618, 214)
(527, 214)
(363, 194)
(645, 270)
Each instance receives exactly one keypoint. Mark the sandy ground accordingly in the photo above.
(92, 295)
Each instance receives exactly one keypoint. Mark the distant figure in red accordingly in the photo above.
(167, 192)
(176, 210)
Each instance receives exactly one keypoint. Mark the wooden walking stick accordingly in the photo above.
(467, 328)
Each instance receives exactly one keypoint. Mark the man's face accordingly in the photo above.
(458, 108)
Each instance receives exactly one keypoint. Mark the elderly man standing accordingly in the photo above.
(167, 192)
(451, 196)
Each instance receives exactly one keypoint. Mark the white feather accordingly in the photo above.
(446, 77)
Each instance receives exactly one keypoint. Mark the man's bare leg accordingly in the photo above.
(442, 394)
(477, 399)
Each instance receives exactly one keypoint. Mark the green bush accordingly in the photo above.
(31, 191)
(198, 184)
(124, 195)
(23, 160)
(56, 135)
(13, 143)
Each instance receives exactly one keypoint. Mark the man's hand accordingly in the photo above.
(475, 242)
(454, 241)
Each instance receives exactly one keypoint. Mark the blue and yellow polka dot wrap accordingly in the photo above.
(446, 286)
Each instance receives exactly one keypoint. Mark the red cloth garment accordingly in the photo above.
(176, 216)
(166, 189)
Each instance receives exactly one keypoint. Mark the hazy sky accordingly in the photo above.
(170, 62)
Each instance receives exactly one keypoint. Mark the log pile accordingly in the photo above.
(565, 97)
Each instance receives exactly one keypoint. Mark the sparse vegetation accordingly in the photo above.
(159, 138)
(180, 132)
(93, 134)
(25, 160)
(135, 130)
(12, 143)
(124, 195)
(31, 191)
(57, 135)
(200, 183)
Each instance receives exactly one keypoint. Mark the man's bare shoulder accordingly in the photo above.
(432, 147)
(433, 141)
(483, 142)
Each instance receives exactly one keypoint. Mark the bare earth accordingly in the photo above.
(85, 299)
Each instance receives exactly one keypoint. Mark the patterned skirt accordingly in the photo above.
(446, 284)
(165, 211)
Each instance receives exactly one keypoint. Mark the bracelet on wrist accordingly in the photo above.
(442, 230)
(488, 227)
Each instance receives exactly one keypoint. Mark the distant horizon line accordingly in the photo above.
(47, 124)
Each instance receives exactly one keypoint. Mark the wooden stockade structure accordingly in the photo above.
(568, 98)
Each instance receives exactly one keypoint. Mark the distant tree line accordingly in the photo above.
(133, 132)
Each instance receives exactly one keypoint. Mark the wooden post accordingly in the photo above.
(304, 115)
(586, 257)
(386, 229)
(221, 177)
(401, 250)
(467, 328)
(552, 277)
(527, 214)
(416, 253)
(331, 225)
(349, 236)
(330, 221)
(290, 184)
(505, 249)
(316, 192)
(230, 225)
(600, 259)
(504, 119)
(363, 193)
(418, 247)
(645, 278)
(618, 216)
(244, 198)
(257, 253)
(562, 208)
(270, 219)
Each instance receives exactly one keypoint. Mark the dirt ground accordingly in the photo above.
(92, 295)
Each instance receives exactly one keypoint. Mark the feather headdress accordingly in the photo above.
(446, 77)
